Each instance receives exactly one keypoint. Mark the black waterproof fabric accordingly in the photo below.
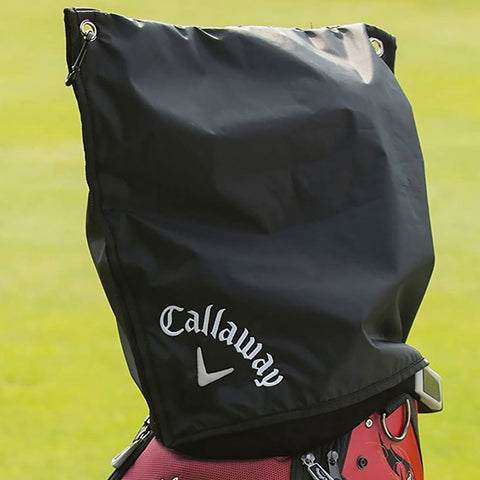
(258, 218)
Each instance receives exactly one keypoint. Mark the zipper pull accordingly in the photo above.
(333, 468)
(316, 471)
(120, 459)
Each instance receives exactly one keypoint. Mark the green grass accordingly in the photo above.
(67, 403)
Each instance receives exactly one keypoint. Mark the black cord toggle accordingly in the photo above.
(88, 38)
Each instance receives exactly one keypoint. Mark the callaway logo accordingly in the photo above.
(203, 377)
(173, 323)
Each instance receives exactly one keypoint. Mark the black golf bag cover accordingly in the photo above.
(258, 218)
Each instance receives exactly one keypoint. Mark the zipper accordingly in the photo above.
(333, 466)
(324, 462)
(316, 471)
(126, 458)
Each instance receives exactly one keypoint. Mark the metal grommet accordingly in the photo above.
(88, 26)
(369, 423)
(405, 428)
(377, 45)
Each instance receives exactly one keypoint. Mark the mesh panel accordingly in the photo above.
(158, 463)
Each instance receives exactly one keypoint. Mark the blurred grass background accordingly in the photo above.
(67, 404)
